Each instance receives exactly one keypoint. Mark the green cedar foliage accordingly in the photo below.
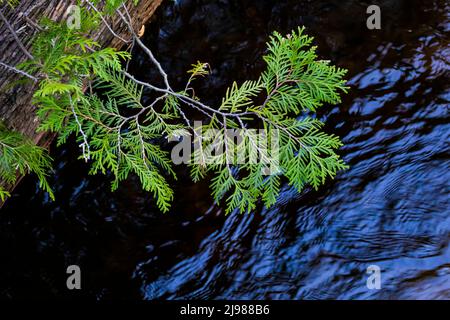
(19, 155)
(294, 82)
(120, 135)
(11, 3)
(113, 142)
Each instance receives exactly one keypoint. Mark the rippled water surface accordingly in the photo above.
(390, 209)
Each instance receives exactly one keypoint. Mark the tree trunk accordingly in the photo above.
(16, 109)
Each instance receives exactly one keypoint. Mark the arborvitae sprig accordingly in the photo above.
(113, 142)
(19, 155)
(121, 135)
(65, 61)
(294, 82)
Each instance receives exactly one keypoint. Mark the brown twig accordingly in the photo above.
(14, 34)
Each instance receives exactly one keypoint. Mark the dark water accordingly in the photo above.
(390, 209)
